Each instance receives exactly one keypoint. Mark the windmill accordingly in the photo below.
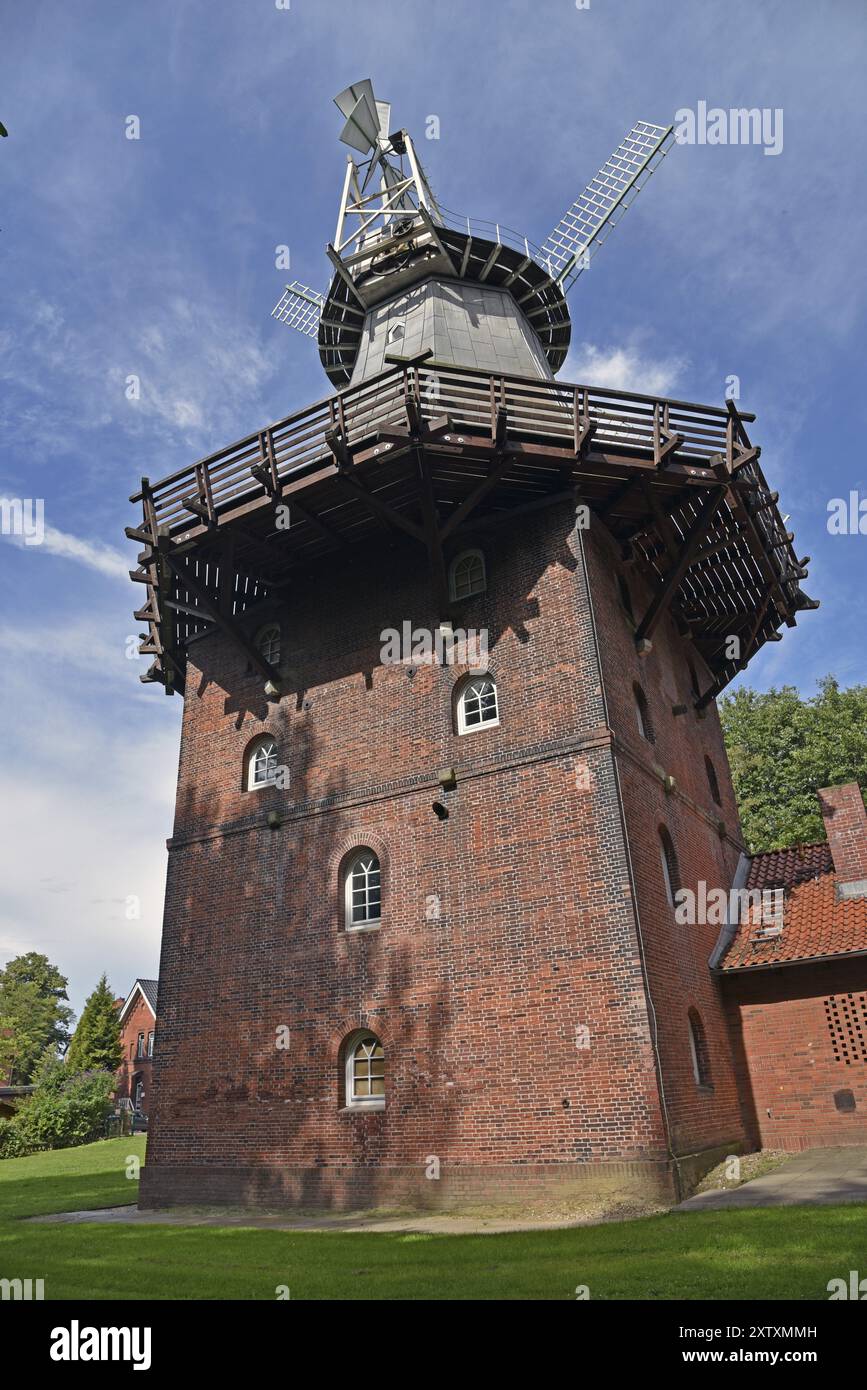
(393, 235)
(442, 336)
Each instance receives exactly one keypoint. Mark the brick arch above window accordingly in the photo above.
(363, 838)
(333, 886)
(352, 1024)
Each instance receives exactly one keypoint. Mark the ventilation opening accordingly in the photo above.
(847, 1023)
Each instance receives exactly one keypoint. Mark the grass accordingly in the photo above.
(783, 1252)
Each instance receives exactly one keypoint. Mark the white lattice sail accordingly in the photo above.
(567, 250)
(299, 307)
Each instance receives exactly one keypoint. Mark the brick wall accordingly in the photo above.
(677, 955)
(479, 1009)
(798, 1089)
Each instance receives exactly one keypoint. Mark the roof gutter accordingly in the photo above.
(729, 929)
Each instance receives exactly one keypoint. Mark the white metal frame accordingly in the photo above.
(569, 247)
(299, 308)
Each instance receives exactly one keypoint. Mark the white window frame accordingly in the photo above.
(465, 557)
(255, 784)
(140, 1047)
(353, 1044)
(150, 1043)
(475, 683)
(368, 923)
(642, 712)
(666, 873)
(693, 1052)
(268, 645)
(701, 1081)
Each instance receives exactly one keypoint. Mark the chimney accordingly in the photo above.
(846, 827)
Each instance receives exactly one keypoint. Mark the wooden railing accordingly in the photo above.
(551, 412)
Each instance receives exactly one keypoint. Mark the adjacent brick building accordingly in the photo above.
(138, 1018)
(797, 994)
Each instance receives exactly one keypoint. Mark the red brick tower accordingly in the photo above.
(419, 942)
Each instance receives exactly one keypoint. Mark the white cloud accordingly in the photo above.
(93, 554)
(622, 369)
(86, 794)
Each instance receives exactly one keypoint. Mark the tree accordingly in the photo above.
(95, 1044)
(33, 1016)
(783, 748)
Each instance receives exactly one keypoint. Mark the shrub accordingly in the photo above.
(65, 1109)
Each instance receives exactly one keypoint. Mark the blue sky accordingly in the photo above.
(156, 257)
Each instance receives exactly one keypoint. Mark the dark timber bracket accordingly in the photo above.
(224, 621)
(671, 583)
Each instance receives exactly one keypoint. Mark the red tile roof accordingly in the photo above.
(783, 868)
(815, 922)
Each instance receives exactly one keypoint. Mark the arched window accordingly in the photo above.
(477, 705)
(698, 1049)
(268, 643)
(467, 574)
(362, 891)
(625, 595)
(642, 712)
(670, 869)
(365, 1071)
(712, 780)
(262, 763)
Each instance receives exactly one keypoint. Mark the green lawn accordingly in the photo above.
(783, 1253)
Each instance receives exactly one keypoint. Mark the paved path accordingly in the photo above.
(817, 1177)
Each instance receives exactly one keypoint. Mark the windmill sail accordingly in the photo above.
(567, 250)
(299, 307)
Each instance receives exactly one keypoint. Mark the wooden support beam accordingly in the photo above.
(135, 533)
(470, 503)
(337, 444)
(551, 499)
(382, 509)
(671, 583)
(196, 505)
(227, 574)
(226, 623)
(432, 536)
(326, 531)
